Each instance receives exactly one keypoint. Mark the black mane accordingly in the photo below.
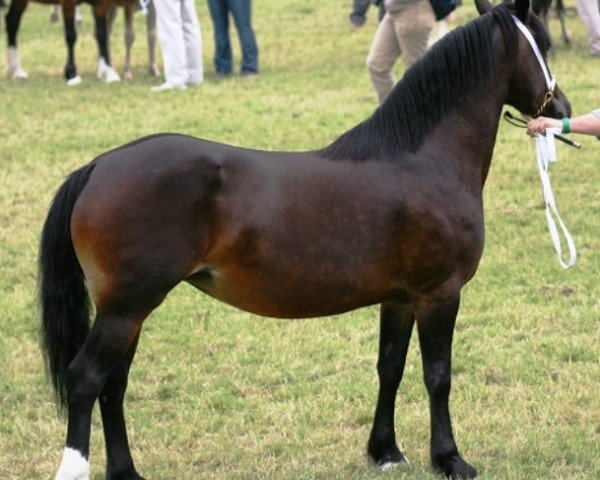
(431, 88)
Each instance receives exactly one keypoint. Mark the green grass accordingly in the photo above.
(216, 393)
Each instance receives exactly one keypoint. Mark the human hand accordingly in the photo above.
(540, 124)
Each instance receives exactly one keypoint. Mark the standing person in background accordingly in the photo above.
(405, 30)
(241, 11)
(180, 42)
(589, 11)
(358, 15)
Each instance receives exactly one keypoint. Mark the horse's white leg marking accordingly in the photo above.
(74, 81)
(13, 64)
(107, 73)
(73, 466)
(384, 467)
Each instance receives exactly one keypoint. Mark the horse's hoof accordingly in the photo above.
(129, 474)
(454, 467)
(18, 74)
(106, 73)
(392, 464)
(111, 76)
(386, 459)
(154, 70)
(127, 75)
(74, 81)
(14, 69)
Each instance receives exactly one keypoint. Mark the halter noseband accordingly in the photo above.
(550, 80)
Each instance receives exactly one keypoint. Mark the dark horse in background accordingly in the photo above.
(100, 9)
(542, 9)
(390, 213)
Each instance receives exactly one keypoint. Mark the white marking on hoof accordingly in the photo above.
(74, 81)
(73, 466)
(13, 65)
(384, 467)
(106, 73)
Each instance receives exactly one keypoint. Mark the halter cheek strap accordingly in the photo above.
(550, 80)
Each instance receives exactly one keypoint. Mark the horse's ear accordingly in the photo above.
(483, 6)
(522, 9)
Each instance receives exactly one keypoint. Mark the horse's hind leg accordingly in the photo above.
(129, 39)
(151, 33)
(111, 339)
(71, 39)
(397, 322)
(119, 463)
(13, 20)
(560, 13)
(105, 71)
(435, 322)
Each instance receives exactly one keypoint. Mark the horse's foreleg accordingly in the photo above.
(119, 463)
(109, 341)
(105, 71)
(129, 39)
(560, 13)
(151, 32)
(71, 38)
(397, 322)
(435, 322)
(13, 20)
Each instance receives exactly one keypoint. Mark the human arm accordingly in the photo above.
(588, 124)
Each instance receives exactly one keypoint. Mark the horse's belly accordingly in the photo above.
(294, 295)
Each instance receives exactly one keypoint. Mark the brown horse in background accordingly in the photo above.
(100, 9)
(129, 8)
(391, 213)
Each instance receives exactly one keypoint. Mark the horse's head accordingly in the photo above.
(532, 89)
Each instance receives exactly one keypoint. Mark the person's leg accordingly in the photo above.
(193, 42)
(170, 36)
(589, 12)
(382, 56)
(220, 18)
(413, 25)
(241, 10)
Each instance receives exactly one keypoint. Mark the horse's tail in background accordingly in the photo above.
(63, 297)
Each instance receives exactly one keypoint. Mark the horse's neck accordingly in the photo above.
(473, 127)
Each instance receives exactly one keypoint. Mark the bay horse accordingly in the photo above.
(390, 213)
(100, 10)
(129, 8)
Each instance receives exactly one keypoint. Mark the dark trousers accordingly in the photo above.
(241, 11)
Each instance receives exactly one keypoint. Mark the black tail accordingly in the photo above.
(63, 296)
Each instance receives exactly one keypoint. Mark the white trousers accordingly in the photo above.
(589, 11)
(180, 41)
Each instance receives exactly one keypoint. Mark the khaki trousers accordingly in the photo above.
(405, 32)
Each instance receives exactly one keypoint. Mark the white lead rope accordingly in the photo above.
(546, 154)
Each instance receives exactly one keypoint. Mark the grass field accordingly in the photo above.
(216, 393)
